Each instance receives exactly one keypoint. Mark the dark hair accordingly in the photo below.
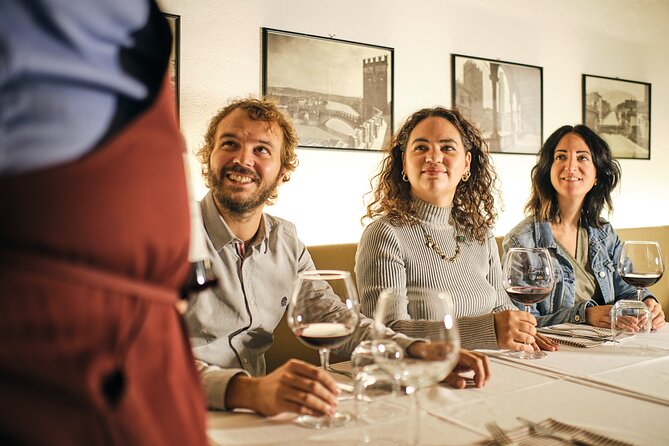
(543, 203)
(258, 110)
(473, 204)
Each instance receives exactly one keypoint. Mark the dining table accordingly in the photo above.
(614, 391)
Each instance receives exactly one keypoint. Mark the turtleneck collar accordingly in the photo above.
(430, 213)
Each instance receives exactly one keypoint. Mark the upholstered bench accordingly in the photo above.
(342, 257)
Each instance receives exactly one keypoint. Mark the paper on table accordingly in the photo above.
(578, 335)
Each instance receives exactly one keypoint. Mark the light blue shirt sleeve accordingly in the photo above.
(60, 76)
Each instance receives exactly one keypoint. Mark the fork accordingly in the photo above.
(499, 435)
(553, 433)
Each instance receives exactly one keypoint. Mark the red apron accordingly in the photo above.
(92, 254)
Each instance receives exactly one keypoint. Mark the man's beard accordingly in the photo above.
(237, 206)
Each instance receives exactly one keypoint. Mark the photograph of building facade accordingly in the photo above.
(619, 111)
(504, 101)
(338, 94)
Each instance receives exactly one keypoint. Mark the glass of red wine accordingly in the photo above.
(324, 313)
(640, 264)
(528, 279)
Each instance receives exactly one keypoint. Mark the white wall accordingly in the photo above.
(220, 58)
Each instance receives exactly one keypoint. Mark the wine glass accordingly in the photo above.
(323, 320)
(528, 279)
(640, 264)
(425, 314)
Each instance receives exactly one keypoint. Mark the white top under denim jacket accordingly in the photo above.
(604, 248)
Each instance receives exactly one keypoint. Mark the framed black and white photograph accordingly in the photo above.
(619, 111)
(503, 99)
(338, 94)
(173, 64)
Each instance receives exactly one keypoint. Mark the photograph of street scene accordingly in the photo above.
(338, 94)
(619, 111)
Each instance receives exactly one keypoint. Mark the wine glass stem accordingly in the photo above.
(638, 294)
(527, 308)
(414, 415)
(324, 353)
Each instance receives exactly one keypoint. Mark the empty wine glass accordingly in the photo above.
(528, 279)
(640, 264)
(630, 319)
(324, 320)
(427, 315)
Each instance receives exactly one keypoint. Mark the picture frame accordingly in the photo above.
(503, 99)
(174, 22)
(619, 111)
(337, 93)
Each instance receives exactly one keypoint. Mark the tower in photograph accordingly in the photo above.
(471, 95)
(375, 87)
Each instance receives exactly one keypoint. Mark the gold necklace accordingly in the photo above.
(430, 243)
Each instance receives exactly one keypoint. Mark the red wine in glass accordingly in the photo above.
(528, 279)
(640, 264)
(640, 280)
(528, 295)
(323, 334)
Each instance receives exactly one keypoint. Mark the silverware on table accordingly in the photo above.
(499, 435)
(544, 431)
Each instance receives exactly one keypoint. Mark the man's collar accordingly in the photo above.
(218, 230)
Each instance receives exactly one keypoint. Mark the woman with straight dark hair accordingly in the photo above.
(571, 185)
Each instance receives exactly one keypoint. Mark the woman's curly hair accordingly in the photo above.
(258, 110)
(473, 211)
(543, 203)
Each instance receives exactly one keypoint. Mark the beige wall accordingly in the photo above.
(220, 58)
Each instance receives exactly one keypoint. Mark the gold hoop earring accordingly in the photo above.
(466, 175)
(405, 178)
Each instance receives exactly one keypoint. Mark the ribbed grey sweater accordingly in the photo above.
(397, 257)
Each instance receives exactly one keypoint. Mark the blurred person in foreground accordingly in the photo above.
(94, 234)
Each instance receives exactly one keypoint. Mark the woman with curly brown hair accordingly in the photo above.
(433, 212)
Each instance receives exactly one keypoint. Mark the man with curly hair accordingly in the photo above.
(248, 151)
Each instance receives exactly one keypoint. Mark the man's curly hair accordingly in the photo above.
(258, 110)
(473, 211)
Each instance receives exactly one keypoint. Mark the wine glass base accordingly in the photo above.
(325, 422)
(527, 355)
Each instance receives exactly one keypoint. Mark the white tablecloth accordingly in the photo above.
(593, 388)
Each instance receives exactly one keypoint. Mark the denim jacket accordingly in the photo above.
(603, 253)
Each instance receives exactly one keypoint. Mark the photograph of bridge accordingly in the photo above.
(619, 111)
(503, 99)
(338, 94)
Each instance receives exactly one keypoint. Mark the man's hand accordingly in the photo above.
(599, 316)
(657, 315)
(515, 330)
(294, 387)
(467, 362)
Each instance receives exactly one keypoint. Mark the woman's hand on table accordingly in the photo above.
(598, 316)
(469, 361)
(515, 330)
(657, 314)
(294, 387)
(544, 343)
